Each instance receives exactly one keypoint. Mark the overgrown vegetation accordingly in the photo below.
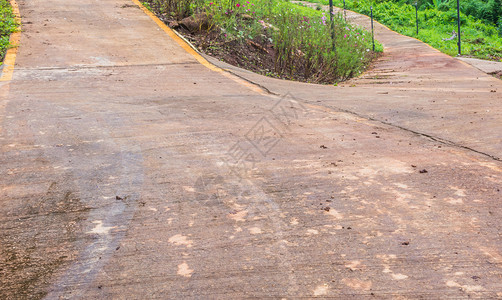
(294, 42)
(481, 23)
(7, 26)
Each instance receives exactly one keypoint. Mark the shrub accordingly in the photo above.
(301, 36)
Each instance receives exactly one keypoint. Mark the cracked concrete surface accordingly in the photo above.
(129, 170)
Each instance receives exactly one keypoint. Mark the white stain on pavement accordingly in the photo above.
(454, 201)
(312, 231)
(255, 230)
(238, 216)
(399, 276)
(386, 267)
(184, 270)
(458, 191)
(321, 290)
(401, 185)
(467, 288)
(189, 189)
(335, 214)
(353, 265)
(100, 229)
(180, 240)
(357, 284)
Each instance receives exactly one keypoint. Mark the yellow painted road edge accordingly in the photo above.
(194, 53)
(10, 57)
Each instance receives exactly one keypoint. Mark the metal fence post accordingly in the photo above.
(372, 31)
(416, 14)
(332, 21)
(459, 43)
(344, 12)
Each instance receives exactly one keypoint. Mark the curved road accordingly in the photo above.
(130, 170)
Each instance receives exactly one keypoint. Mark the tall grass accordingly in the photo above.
(177, 8)
(301, 36)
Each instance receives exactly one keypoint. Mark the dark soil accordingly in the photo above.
(255, 55)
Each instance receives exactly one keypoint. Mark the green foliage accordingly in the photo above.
(8, 25)
(301, 36)
(439, 5)
(177, 8)
(302, 39)
(147, 5)
(499, 28)
(437, 21)
(488, 10)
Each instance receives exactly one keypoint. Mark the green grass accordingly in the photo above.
(302, 39)
(480, 38)
(8, 25)
(147, 5)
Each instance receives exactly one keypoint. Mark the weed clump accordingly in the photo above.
(274, 37)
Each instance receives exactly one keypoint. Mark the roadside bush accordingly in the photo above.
(489, 10)
(177, 8)
(303, 43)
(500, 27)
(301, 36)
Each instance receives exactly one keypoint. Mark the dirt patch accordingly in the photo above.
(256, 55)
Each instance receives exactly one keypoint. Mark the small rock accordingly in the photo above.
(174, 24)
(323, 147)
(196, 23)
(423, 171)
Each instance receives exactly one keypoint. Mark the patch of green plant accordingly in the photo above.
(437, 22)
(302, 37)
(8, 25)
(147, 5)
(177, 8)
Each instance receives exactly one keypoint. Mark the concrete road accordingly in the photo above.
(130, 170)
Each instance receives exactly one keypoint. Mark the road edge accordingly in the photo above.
(10, 57)
(188, 48)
